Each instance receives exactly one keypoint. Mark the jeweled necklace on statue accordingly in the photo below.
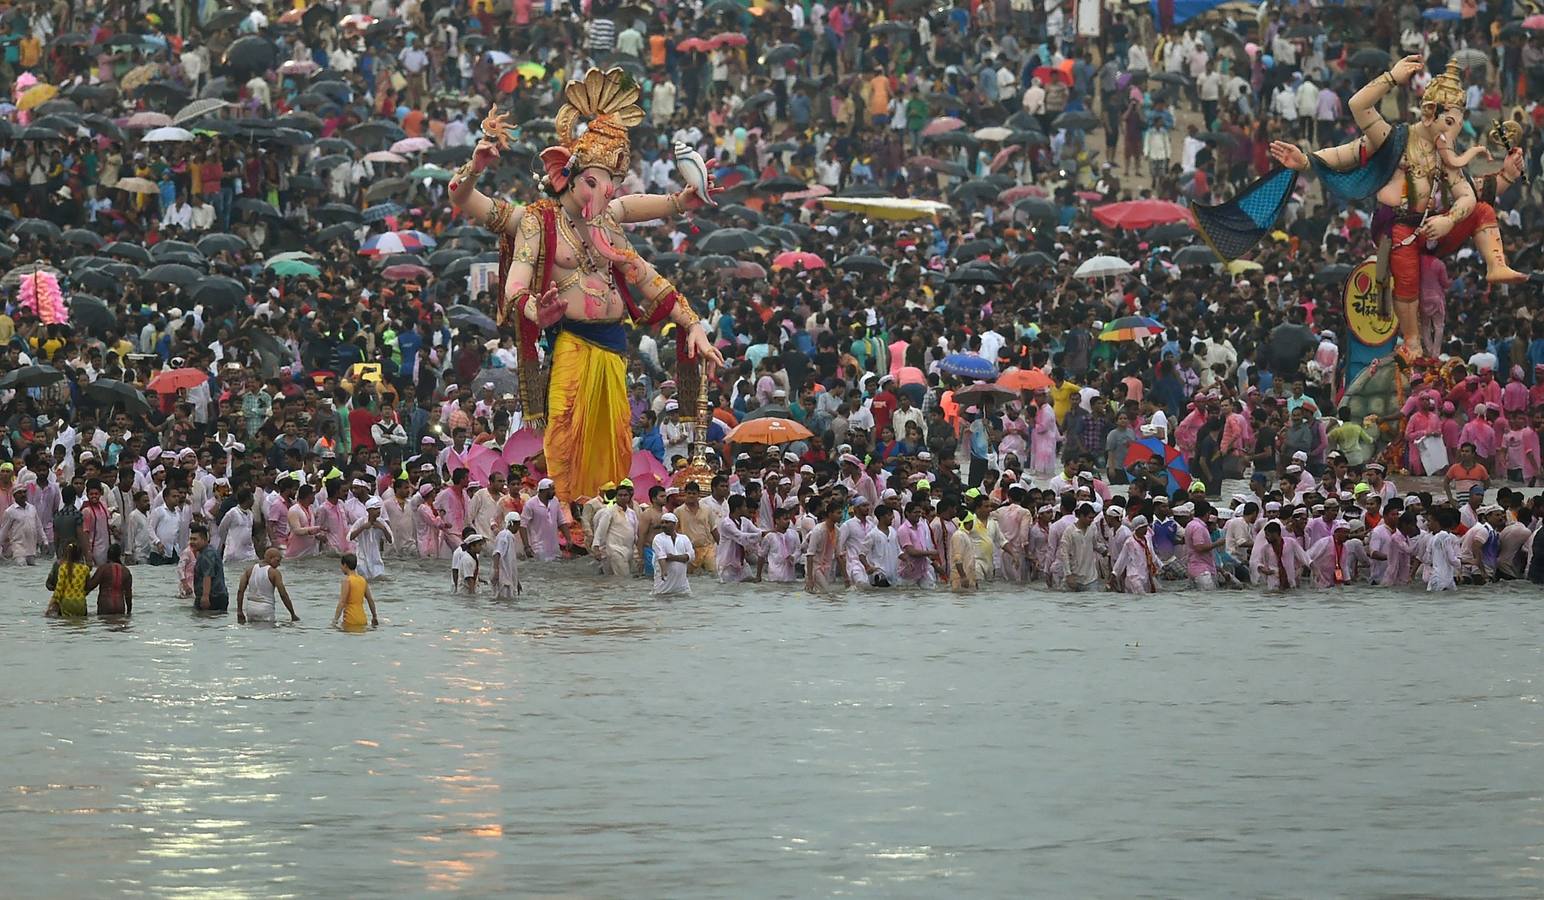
(595, 280)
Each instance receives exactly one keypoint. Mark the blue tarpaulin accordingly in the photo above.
(1168, 13)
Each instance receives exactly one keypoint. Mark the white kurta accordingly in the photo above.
(616, 534)
(369, 547)
(236, 535)
(670, 576)
(506, 566)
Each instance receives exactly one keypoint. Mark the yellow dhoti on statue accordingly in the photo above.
(588, 441)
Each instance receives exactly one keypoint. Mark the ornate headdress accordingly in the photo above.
(609, 101)
(1446, 90)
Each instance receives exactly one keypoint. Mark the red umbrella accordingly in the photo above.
(1046, 74)
(173, 380)
(403, 272)
(941, 125)
(693, 44)
(728, 39)
(1090, 196)
(797, 259)
(1003, 156)
(1138, 214)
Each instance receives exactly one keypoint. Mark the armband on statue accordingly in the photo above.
(688, 316)
(498, 216)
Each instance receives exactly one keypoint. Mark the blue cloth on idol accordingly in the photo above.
(1364, 180)
(608, 335)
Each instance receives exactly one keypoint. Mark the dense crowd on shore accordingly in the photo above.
(261, 325)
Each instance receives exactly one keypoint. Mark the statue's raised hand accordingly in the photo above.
(691, 200)
(1289, 155)
(1406, 68)
(549, 308)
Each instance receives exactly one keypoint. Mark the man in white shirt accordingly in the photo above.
(672, 553)
(179, 214)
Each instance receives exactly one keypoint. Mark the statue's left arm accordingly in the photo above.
(1436, 227)
(653, 289)
(648, 207)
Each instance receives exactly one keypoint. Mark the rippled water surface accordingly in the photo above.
(590, 741)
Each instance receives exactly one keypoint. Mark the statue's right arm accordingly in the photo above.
(478, 207)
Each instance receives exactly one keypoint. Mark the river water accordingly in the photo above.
(591, 741)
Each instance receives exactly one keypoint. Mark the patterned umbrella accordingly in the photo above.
(1131, 328)
(968, 365)
(1152, 449)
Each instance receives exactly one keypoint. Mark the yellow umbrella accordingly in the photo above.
(1240, 266)
(137, 186)
(532, 70)
(893, 209)
(36, 96)
(137, 77)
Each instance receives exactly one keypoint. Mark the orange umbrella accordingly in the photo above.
(768, 431)
(173, 380)
(1025, 380)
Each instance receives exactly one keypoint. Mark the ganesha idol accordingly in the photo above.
(1425, 205)
(571, 282)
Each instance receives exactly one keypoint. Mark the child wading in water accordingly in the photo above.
(466, 562)
(353, 594)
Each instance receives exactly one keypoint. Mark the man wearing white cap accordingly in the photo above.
(506, 564)
(850, 538)
(369, 536)
(855, 480)
(235, 530)
(672, 553)
(1198, 549)
(1135, 569)
(542, 519)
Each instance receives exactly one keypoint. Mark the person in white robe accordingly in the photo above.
(370, 535)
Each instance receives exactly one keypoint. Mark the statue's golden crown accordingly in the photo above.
(608, 102)
(1445, 90)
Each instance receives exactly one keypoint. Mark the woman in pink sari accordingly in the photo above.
(1043, 440)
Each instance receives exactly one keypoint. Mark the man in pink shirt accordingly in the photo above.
(1200, 561)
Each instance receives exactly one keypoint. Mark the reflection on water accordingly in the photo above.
(591, 741)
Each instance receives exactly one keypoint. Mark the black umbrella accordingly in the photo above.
(668, 262)
(80, 237)
(862, 263)
(780, 184)
(285, 137)
(976, 273)
(781, 53)
(99, 124)
(1173, 78)
(218, 89)
(1332, 273)
(1195, 256)
(504, 381)
(220, 242)
(1036, 209)
(953, 139)
(864, 190)
(892, 28)
(37, 133)
(92, 314)
(1173, 233)
(7, 252)
(1034, 259)
(126, 250)
(30, 377)
(336, 145)
(258, 207)
(458, 268)
(117, 393)
(784, 147)
(730, 240)
(59, 122)
(164, 92)
(70, 39)
(375, 132)
(779, 235)
(475, 232)
(386, 187)
(465, 317)
(439, 259)
(760, 98)
(229, 17)
(37, 228)
(219, 292)
(342, 231)
(743, 213)
(402, 259)
(94, 92)
(978, 189)
(161, 250)
(724, 8)
(97, 280)
(713, 261)
(172, 273)
(972, 249)
(1369, 58)
(305, 183)
(251, 54)
(1077, 119)
(184, 258)
(1028, 138)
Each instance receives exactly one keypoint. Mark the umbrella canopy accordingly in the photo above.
(258, 208)
(770, 430)
(138, 186)
(1080, 120)
(646, 472)
(1195, 256)
(173, 380)
(198, 109)
(1153, 450)
(525, 443)
(861, 263)
(412, 145)
(126, 250)
(30, 377)
(1175, 233)
(1103, 267)
(1034, 259)
(172, 273)
(404, 273)
(384, 156)
(976, 273)
(37, 228)
(1138, 214)
(117, 393)
(1131, 328)
(251, 54)
(80, 237)
(942, 125)
(992, 133)
(465, 317)
(982, 391)
(92, 315)
(293, 268)
(797, 259)
(730, 240)
(168, 135)
(1025, 380)
(396, 242)
(968, 365)
(219, 293)
(220, 242)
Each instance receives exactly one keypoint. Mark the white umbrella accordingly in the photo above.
(993, 133)
(500, 58)
(411, 145)
(167, 135)
(385, 156)
(1103, 267)
(198, 108)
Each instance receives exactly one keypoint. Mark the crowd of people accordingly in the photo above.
(292, 254)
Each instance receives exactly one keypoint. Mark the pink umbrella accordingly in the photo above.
(1090, 196)
(1022, 192)
(412, 145)
(910, 375)
(646, 472)
(810, 193)
(482, 461)
(750, 271)
(298, 67)
(404, 272)
(927, 162)
(1003, 156)
(521, 446)
(941, 125)
(148, 120)
(797, 259)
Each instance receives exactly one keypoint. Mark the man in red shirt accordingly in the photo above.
(884, 403)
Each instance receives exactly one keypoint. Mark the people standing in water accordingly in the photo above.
(466, 562)
(67, 580)
(353, 594)
(264, 580)
(114, 584)
(370, 535)
(21, 530)
(209, 591)
(672, 554)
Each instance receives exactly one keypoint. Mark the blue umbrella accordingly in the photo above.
(968, 365)
(380, 211)
(1441, 14)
